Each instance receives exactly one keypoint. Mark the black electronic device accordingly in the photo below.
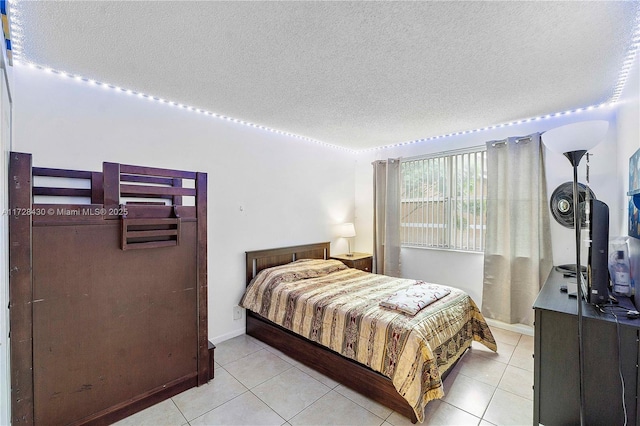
(561, 204)
(570, 269)
(596, 286)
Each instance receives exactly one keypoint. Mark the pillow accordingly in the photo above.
(299, 270)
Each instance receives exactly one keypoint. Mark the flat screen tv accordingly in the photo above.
(595, 287)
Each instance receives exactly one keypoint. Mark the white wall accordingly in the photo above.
(465, 270)
(5, 146)
(628, 129)
(628, 143)
(265, 190)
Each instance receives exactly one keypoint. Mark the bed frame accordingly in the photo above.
(333, 365)
(108, 290)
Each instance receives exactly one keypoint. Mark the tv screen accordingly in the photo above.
(596, 285)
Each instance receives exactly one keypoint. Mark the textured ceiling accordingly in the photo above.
(353, 74)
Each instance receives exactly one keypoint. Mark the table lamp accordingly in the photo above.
(348, 231)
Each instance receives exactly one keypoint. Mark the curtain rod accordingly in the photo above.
(475, 148)
(399, 159)
(517, 138)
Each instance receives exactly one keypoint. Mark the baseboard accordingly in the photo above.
(517, 328)
(139, 403)
(230, 335)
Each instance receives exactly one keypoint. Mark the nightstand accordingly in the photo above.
(362, 261)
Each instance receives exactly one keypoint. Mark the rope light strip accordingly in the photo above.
(191, 108)
(632, 52)
(17, 39)
(497, 126)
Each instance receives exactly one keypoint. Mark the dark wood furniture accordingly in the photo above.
(212, 363)
(108, 290)
(344, 370)
(362, 261)
(556, 368)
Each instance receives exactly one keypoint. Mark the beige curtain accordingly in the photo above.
(386, 217)
(517, 257)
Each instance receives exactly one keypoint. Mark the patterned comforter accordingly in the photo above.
(338, 307)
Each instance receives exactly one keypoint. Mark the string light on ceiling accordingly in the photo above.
(632, 52)
(146, 96)
(497, 126)
(17, 37)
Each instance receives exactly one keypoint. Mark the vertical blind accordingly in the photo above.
(443, 200)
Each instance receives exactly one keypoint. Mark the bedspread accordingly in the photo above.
(338, 307)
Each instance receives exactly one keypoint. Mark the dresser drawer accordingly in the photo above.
(362, 261)
(363, 264)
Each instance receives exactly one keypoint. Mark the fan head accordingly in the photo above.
(561, 204)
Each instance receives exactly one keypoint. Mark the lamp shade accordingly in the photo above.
(347, 230)
(583, 135)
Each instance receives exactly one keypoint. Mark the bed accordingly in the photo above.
(328, 317)
(108, 290)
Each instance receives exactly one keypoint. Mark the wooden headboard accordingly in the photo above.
(261, 259)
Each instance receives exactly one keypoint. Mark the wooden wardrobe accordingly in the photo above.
(108, 290)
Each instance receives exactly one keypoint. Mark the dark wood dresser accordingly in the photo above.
(556, 366)
(362, 261)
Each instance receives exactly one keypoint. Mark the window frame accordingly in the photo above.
(457, 204)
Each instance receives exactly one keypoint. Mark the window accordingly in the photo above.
(443, 200)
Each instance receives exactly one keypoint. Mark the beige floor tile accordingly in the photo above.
(335, 409)
(283, 356)
(257, 367)
(526, 342)
(517, 381)
(318, 376)
(503, 355)
(282, 389)
(164, 413)
(246, 409)
(308, 370)
(506, 409)
(505, 336)
(482, 369)
(441, 413)
(377, 409)
(522, 358)
(197, 401)
(236, 348)
(290, 392)
(397, 419)
(468, 394)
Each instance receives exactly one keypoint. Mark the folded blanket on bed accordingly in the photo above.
(411, 299)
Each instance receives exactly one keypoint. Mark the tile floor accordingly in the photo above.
(257, 385)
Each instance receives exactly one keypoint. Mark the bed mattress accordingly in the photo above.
(339, 308)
